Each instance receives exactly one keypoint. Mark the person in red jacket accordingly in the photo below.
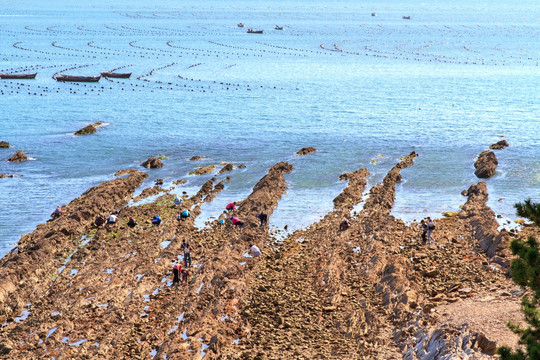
(237, 222)
(177, 269)
(231, 206)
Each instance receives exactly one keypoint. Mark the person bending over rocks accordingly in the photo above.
(344, 225)
(187, 253)
(177, 201)
(254, 250)
(131, 223)
(99, 221)
(183, 215)
(57, 212)
(430, 228)
(184, 276)
(156, 220)
(177, 268)
(236, 222)
(263, 218)
(231, 206)
(112, 218)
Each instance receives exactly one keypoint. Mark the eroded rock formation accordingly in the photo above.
(486, 164)
(19, 156)
(306, 151)
(152, 163)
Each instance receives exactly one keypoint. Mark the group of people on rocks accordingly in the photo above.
(181, 274)
(427, 229)
(263, 217)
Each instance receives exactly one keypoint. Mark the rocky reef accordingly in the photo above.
(152, 163)
(373, 291)
(306, 151)
(486, 164)
(19, 156)
(4, 145)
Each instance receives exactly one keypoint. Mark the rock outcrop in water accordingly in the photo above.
(372, 291)
(4, 145)
(152, 163)
(89, 129)
(306, 151)
(486, 164)
(499, 145)
(19, 156)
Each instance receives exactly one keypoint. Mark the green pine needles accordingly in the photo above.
(525, 271)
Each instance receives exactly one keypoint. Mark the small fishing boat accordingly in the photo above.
(72, 78)
(116, 75)
(373, 14)
(406, 18)
(241, 25)
(18, 76)
(251, 31)
(278, 27)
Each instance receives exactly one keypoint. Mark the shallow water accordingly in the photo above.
(446, 84)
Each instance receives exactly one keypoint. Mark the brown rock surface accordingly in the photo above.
(499, 145)
(228, 167)
(152, 163)
(19, 156)
(371, 292)
(4, 145)
(89, 129)
(197, 158)
(306, 151)
(486, 164)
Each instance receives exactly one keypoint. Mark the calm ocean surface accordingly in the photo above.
(447, 83)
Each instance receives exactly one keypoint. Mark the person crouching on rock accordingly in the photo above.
(177, 268)
(344, 225)
(185, 214)
(99, 221)
(236, 222)
(231, 206)
(263, 218)
(112, 219)
(424, 226)
(156, 221)
(184, 276)
(254, 250)
(57, 212)
(131, 223)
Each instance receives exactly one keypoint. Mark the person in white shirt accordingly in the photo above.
(255, 251)
(112, 219)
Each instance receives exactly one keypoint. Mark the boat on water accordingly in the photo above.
(278, 27)
(116, 75)
(72, 78)
(373, 14)
(18, 76)
(241, 25)
(406, 18)
(251, 31)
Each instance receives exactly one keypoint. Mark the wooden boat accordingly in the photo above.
(406, 18)
(116, 75)
(72, 78)
(278, 28)
(251, 31)
(241, 25)
(18, 76)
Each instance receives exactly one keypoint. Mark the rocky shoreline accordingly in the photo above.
(73, 290)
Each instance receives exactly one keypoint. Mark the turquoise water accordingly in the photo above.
(447, 83)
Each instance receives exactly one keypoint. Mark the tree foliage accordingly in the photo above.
(525, 271)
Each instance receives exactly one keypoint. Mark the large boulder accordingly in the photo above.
(306, 151)
(486, 164)
(499, 145)
(4, 145)
(152, 163)
(89, 129)
(18, 157)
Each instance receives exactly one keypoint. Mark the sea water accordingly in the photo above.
(364, 90)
